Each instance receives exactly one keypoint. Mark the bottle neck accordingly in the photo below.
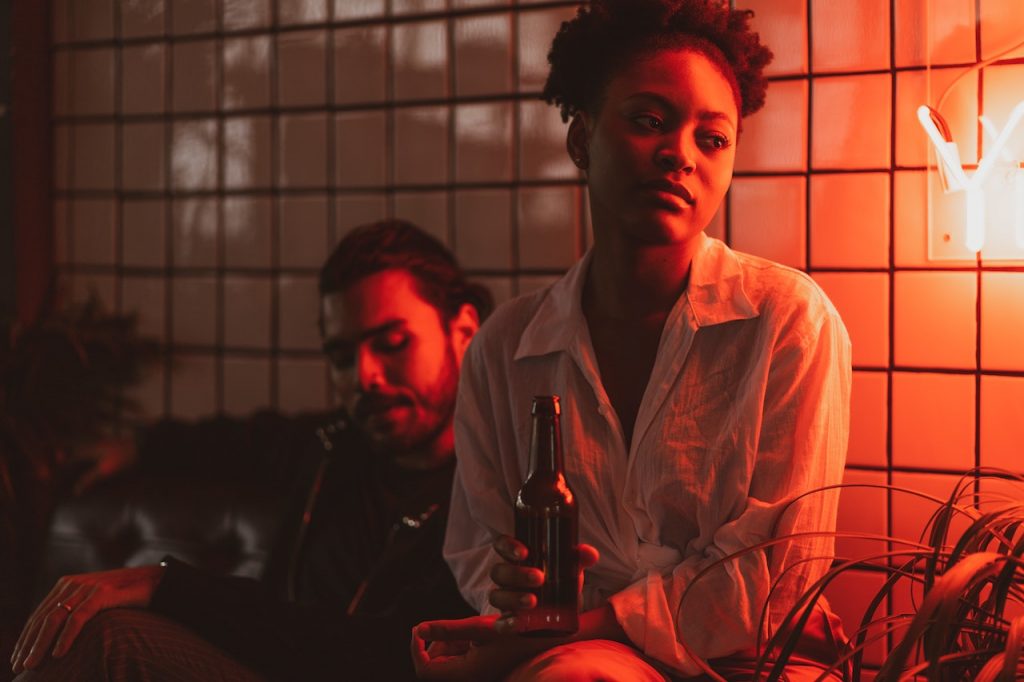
(546, 446)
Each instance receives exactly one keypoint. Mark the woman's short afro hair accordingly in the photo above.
(608, 33)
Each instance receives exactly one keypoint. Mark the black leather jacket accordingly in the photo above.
(357, 564)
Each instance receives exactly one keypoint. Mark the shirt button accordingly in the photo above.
(602, 410)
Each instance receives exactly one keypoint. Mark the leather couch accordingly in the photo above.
(212, 493)
(223, 525)
(218, 524)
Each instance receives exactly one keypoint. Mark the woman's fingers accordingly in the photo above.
(512, 577)
(510, 600)
(588, 555)
(514, 583)
(510, 549)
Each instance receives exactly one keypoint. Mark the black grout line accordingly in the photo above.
(275, 219)
(391, 134)
(119, 149)
(317, 191)
(69, 150)
(254, 351)
(517, 156)
(220, 286)
(118, 226)
(891, 311)
(727, 200)
(978, 260)
(169, 222)
(809, 148)
(451, 75)
(910, 469)
(332, 171)
(295, 271)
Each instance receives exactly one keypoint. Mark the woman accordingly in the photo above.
(703, 390)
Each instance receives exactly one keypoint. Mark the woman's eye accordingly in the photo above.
(716, 141)
(648, 121)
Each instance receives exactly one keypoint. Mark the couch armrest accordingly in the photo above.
(225, 526)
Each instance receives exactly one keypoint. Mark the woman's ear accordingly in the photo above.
(576, 141)
(461, 330)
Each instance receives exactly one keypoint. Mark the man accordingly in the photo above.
(364, 563)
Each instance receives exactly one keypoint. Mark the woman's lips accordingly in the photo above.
(668, 199)
(670, 190)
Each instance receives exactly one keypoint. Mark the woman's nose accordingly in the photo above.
(676, 157)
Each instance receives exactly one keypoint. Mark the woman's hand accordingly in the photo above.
(74, 600)
(514, 581)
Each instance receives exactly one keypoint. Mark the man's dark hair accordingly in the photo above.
(607, 34)
(397, 244)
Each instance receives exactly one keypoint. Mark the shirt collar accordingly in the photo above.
(715, 294)
(716, 290)
(560, 315)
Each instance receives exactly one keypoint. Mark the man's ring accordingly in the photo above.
(62, 605)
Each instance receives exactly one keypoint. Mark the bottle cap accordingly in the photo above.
(546, 405)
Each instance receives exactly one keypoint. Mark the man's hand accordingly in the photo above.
(468, 649)
(513, 581)
(75, 599)
(485, 647)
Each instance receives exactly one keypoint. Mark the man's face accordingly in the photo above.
(393, 364)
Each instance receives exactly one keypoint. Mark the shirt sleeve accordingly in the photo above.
(799, 446)
(481, 505)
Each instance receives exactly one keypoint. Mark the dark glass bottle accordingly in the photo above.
(546, 522)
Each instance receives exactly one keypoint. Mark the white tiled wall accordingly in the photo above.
(210, 152)
(938, 386)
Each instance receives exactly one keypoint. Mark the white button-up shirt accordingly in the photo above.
(747, 407)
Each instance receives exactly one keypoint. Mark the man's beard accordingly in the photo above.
(430, 418)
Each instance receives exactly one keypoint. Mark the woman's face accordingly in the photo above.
(659, 153)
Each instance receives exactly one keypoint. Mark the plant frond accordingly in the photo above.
(939, 603)
(1011, 655)
(963, 580)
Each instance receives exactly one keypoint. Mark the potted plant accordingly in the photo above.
(63, 382)
(965, 574)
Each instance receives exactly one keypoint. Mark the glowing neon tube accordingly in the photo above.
(945, 149)
(975, 218)
(985, 165)
(1018, 206)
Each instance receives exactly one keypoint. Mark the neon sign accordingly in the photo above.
(998, 165)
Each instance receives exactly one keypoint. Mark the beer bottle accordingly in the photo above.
(546, 522)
